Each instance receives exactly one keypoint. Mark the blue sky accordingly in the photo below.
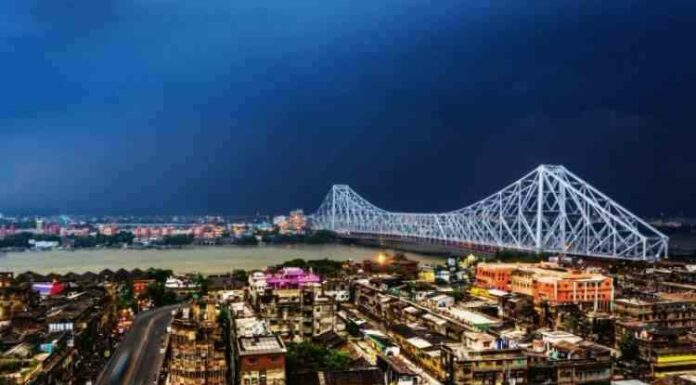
(162, 106)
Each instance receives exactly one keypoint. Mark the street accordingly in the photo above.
(137, 359)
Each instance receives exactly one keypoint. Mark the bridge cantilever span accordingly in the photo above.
(548, 210)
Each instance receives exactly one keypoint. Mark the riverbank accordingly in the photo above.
(205, 260)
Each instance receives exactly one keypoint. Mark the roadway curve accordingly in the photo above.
(137, 359)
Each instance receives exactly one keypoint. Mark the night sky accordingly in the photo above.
(238, 107)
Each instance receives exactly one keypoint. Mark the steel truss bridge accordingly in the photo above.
(549, 210)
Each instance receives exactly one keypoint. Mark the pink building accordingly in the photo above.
(291, 278)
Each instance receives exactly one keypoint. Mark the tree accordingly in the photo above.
(247, 240)
(574, 321)
(324, 267)
(125, 298)
(159, 275)
(202, 282)
(297, 262)
(320, 237)
(177, 240)
(306, 356)
(527, 312)
(459, 295)
(629, 348)
(159, 295)
(240, 275)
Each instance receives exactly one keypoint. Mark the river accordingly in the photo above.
(206, 260)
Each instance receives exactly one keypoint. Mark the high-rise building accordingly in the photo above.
(293, 303)
(197, 347)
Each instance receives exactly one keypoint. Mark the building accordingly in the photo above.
(46, 289)
(338, 289)
(475, 321)
(426, 274)
(197, 349)
(297, 314)
(140, 286)
(293, 302)
(6, 279)
(549, 284)
(291, 278)
(297, 221)
(369, 375)
(561, 359)
(108, 230)
(423, 347)
(495, 275)
(482, 360)
(260, 360)
(15, 300)
(396, 372)
(661, 324)
(669, 310)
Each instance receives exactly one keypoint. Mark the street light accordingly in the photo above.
(381, 258)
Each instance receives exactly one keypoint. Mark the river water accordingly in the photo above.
(204, 260)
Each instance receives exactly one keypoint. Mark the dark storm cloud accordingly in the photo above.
(242, 107)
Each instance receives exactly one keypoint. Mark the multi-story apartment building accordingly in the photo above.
(670, 310)
(197, 348)
(292, 302)
(481, 360)
(297, 314)
(660, 324)
(422, 346)
(14, 300)
(260, 360)
(562, 362)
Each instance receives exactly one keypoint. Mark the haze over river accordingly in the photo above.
(205, 260)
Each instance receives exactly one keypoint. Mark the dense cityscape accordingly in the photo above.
(337, 192)
(477, 318)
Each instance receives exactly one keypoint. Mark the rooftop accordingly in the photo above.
(471, 317)
(292, 276)
(260, 345)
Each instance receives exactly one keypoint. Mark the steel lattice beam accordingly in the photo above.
(548, 210)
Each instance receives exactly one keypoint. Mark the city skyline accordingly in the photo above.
(337, 192)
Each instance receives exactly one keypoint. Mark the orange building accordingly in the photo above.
(495, 275)
(560, 287)
(548, 283)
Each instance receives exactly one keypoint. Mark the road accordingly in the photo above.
(137, 359)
